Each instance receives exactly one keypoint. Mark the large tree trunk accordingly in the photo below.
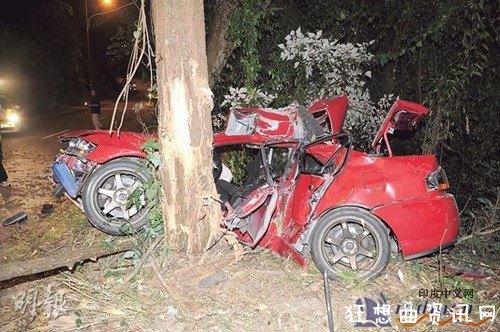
(185, 101)
(219, 45)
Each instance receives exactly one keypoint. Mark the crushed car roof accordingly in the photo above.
(259, 125)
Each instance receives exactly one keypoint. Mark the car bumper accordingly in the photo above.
(424, 225)
(9, 127)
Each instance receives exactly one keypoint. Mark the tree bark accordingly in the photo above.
(190, 213)
(219, 45)
(435, 132)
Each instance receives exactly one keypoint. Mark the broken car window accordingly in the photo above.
(240, 123)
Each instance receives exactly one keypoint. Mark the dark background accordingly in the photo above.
(43, 51)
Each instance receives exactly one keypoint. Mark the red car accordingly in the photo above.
(312, 193)
(305, 189)
(100, 173)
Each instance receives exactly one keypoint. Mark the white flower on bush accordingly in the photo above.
(330, 69)
(243, 97)
(218, 121)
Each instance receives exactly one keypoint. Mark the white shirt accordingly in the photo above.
(226, 174)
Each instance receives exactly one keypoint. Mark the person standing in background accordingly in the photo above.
(95, 109)
(3, 174)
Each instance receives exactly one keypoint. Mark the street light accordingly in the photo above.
(87, 26)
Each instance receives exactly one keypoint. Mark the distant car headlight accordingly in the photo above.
(13, 117)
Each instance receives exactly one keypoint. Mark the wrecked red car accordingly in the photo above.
(102, 173)
(307, 191)
(304, 192)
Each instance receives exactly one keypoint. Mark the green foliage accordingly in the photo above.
(132, 255)
(245, 33)
(471, 59)
(350, 279)
(108, 244)
(119, 49)
(237, 160)
(78, 318)
(153, 188)
(481, 228)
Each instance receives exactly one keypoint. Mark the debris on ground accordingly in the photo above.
(212, 280)
(46, 210)
(17, 218)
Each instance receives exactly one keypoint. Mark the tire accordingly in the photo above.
(350, 239)
(112, 184)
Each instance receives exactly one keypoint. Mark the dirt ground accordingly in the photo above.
(223, 290)
(28, 156)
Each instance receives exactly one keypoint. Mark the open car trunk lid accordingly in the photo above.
(403, 115)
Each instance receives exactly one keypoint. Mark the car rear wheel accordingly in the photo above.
(113, 198)
(350, 240)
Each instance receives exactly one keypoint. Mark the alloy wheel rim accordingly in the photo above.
(113, 197)
(350, 244)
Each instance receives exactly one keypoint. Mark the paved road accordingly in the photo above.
(28, 155)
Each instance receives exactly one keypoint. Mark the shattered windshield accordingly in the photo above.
(240, 123)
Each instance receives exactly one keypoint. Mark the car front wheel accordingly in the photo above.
(350, 240)
(113, 198)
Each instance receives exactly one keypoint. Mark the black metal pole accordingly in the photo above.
(328, 298)
(87, 27)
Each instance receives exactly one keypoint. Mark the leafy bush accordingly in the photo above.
(153, 188)
(320, 68)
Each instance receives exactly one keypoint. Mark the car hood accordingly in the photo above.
(111, 145)
(103, 136)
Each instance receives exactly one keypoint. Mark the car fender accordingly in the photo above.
(422, 225)
(105, 154)
(419, 226)
(305, 237)
(110, 146)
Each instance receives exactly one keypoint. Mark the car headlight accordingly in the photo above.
(13, 117)
(81, 145)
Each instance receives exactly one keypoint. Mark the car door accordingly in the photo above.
(253, 211)
(321, 161)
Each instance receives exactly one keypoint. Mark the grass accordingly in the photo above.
(262, 292)
(65, 227)
(58, 226)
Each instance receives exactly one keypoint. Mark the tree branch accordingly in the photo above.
(467, 237)
(62, 260)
